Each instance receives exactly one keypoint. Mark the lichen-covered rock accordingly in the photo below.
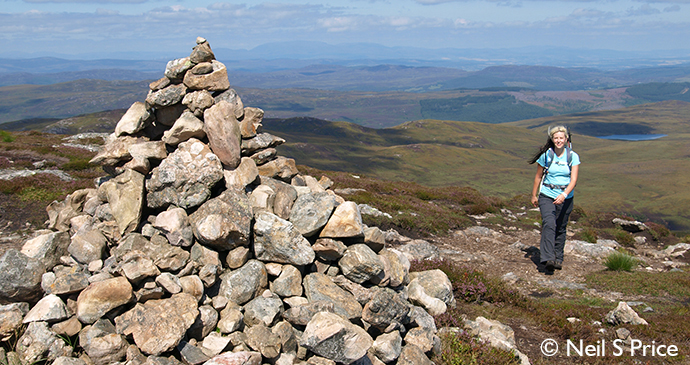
(224, 222)
(185, 177)
(20, 277)
(335, 338)
(158, 326)
(277, 240)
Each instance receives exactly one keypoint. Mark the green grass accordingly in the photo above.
(620, 261)
(658, 284)
(6, 136)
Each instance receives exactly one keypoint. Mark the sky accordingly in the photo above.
(87, 27)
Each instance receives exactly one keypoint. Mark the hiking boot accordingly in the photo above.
(550, 265)
(558, 265)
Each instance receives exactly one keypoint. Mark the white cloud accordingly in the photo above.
(643, 10)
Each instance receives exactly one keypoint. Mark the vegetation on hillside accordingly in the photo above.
(495, 108)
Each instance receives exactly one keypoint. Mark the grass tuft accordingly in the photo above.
(620, 261)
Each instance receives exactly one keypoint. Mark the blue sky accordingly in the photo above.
(80, 27)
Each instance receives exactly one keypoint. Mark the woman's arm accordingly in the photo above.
(535, 187)
(573, 181)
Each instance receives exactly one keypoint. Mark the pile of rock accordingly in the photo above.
(204, 246)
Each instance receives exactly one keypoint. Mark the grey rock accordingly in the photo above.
(420, 250)
(413, 355)
(11, 316)
(386, 311)
(329, 249)
(289, 283)
(158, 326)
(281, 168)
(174, 223)
(320, 287)
(168, 115)
(374, 238)
(436, 284)
(67, 281)
(260, 142)
(624, 314)
(387, 346)
(185, 127)
(260, 157)
(205, 323)
(311, 212)
(399, 267)
(185, 177)
(38, 342)
(359, 263)
(236, 358)
(192, 285)
(169, 282)
(285, 196)
(20, 277)
(49, 309)
(136, 266)
(237, 257)
(245, 174)
(260, 338)
(176, 69)
(198, 101)
(230, 96)
(277, 240)
(116, 150)
(224, 222)
(300, 315)
(87, 246)
(265, 310)
(335, 338)
(243, 284)
(251, 123)
(167, 96)
(47, 247)
(191, 354)
(102, 343)
(231, 319)
(164, 255)
(630, 226)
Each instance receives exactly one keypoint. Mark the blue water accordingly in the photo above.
(634, 137)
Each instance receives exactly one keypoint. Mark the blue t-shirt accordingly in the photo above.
(559, 173)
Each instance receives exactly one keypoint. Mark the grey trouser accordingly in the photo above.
(554, 220)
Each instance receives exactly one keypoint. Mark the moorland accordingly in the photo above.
(441, 162)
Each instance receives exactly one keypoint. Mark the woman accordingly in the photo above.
(558, 165)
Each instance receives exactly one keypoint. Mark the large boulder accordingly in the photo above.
(20, 277)
(335, 338)
(224, 222)
(125, 194)
(277, 240)
(223, 131)
(185, 177)
(158, 326)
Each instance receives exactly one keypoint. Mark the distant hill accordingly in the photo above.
(641, 179)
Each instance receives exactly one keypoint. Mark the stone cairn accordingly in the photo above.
(203, 246)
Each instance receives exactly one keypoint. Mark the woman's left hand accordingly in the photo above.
(559, 199)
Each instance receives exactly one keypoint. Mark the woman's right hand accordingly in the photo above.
(535, 201)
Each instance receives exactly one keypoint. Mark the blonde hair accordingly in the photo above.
(558, 128)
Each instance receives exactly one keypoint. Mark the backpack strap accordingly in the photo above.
(550, 155)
